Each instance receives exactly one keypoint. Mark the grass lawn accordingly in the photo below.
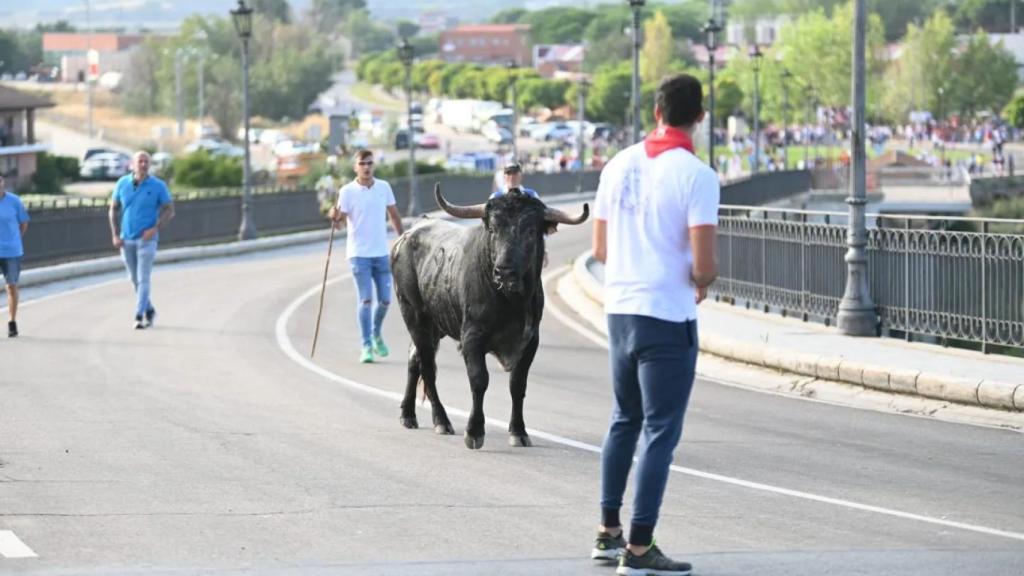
(366, 93)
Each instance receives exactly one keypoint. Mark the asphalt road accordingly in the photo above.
(210, 444)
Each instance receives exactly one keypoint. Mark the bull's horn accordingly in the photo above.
(474, 211)
(553, 215)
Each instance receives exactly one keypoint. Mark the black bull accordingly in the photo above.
(480, 286)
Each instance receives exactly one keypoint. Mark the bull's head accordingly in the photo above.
(516, 225)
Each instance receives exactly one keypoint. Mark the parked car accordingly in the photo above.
(105, 166)
(428, 141)
(496, 134)
(401, 139)
(554, 132)
(90, 152)
(215, 148)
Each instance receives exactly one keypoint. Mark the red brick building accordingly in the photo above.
(487, 44)
(74, 43)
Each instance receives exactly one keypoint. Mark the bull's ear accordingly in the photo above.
(550, 228)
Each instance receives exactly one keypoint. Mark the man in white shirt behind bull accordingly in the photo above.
(656, 217)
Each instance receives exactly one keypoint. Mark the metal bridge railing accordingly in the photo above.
(944, 278)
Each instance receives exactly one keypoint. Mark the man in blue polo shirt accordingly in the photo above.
(13, 225)
(140, 206)
(513, 173)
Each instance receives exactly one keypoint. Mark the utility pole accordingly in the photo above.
(88, 50)
(584, 84)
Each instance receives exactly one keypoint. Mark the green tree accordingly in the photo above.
(366, 34)
(559, 25)
(925, 65)
(329, 15)
(1014, 111)
(818, 50)
(658, 48)
(609, 96)
(984, 77)
(407, 29)
(510, 16)
(141, 89)
(541, 93)
(274, 10)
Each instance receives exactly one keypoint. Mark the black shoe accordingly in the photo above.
(150, 317)
(653, 563)
(139, 324)
(12, 329)
(608, 547)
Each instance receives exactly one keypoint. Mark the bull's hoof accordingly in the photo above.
(410, 422)
(444, 429)
(474, 442)
(520, 440)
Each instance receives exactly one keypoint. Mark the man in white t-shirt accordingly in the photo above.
(365, 204)
(656, 217)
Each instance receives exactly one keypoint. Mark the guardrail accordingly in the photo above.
(943, 278)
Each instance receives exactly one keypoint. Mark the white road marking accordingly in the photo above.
(12, 547)
(285, 344)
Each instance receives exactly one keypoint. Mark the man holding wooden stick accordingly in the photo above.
(365, 205)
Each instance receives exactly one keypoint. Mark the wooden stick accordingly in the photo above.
(323, 289)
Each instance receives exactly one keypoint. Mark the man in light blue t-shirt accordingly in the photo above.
(140, 206)
(13, 225)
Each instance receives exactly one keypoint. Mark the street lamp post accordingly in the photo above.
(711, 30)
(512, 76)
(637, 6)
(242, 17)
(939, 122)
(809, 94)
(756, 57)
(856, 310)
(179, 109)
(787, 76)
(584, 85)
(406, 54)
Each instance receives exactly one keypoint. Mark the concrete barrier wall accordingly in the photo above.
(66, 234)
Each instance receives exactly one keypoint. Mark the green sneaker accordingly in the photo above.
(367, 355)
(607, 547)
(379, 347)
(653, 563)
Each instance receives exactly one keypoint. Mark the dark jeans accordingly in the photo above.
(652, 364)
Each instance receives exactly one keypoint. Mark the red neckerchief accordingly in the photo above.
(666, 138)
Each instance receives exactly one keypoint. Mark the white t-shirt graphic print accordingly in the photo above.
(649, 205)
(367, 210)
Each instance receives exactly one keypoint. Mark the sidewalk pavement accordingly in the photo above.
(814, 350)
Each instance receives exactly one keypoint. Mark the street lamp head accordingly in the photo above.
(242, 17)
(756, 56)
(711, 30)
(637, 4)
(406, 52)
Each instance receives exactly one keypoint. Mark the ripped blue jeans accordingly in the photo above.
(369, 273)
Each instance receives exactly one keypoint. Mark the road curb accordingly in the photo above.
(970, 391)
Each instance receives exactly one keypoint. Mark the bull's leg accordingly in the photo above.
(476, 367)
(408, 416)
(442, 425)
(517, 435)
